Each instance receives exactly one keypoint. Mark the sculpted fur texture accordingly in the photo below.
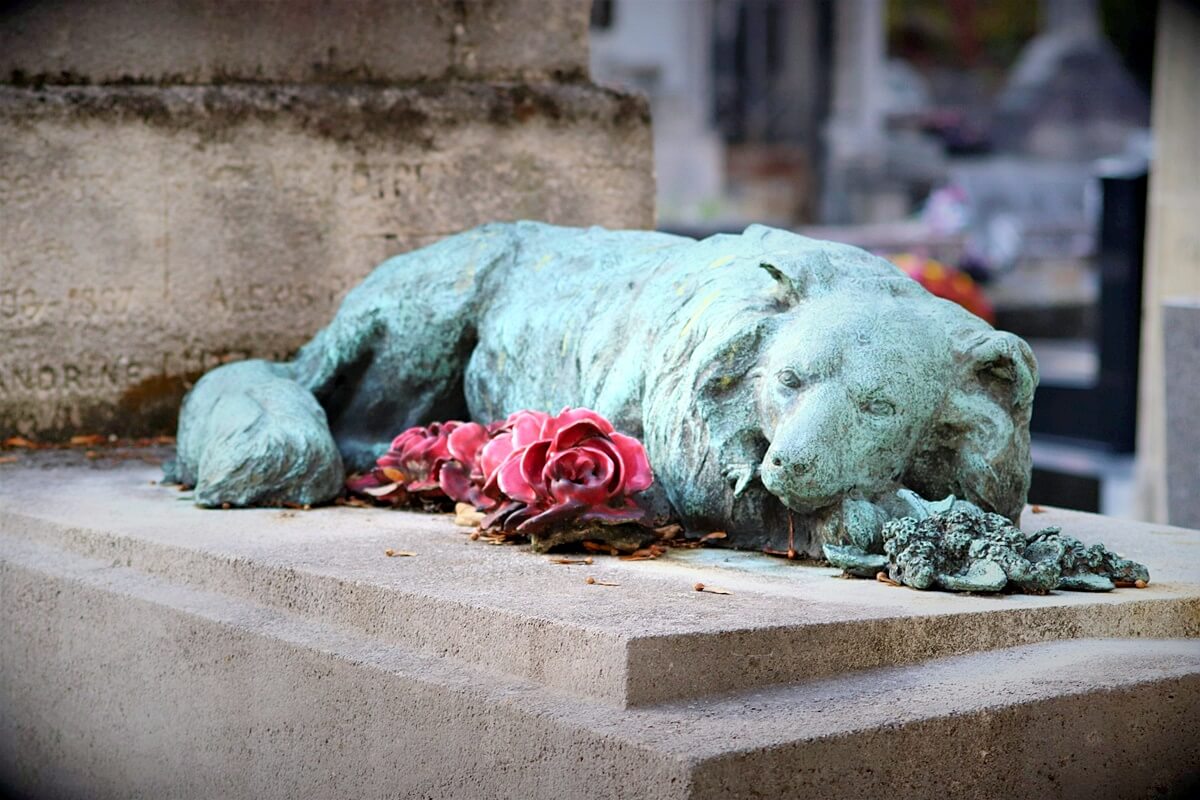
(785, 388)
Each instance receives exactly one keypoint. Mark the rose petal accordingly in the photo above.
(569, 415)
(512, 477)
(559, 515)
(527, 427)
(465, 443)
(577, 431)
(456, 483)
(566, 483)
(360, 483)
(608, 515)
(635, 466)
(500, 513)
(495, 453)
(533, 466)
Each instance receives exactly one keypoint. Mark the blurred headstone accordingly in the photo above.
(1069, 96)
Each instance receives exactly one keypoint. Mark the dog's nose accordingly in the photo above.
(794, 467)
(803, 466)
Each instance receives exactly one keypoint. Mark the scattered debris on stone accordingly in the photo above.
(590, 581)
(353, 501)
(646, 553)
(90, 440)
(390, 553)
(882, 577)
(700, 587)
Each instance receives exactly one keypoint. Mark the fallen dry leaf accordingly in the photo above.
(601, 547)
(390, 553)
(883, 577)
(467, 516)
(714, 535)
(791, 555)
(645, 554)
(88, 440)
(352, 501)
(587, 560)
(8, 459)
(1138, 584)
(593, 582)
(19, 441)
(1037, 509)
(700, 587)
(669, 531)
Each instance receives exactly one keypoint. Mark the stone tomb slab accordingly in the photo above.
(156, 647)
(649, 639)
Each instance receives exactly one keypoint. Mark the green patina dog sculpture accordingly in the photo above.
(785, 388)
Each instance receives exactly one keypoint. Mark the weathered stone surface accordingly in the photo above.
(154, 648)
(1181, 349)
(153, 233)
(650, 639)
(303, 41)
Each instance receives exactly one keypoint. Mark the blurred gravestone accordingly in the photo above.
(188, 183)
(1181, 340)
(1069, 96)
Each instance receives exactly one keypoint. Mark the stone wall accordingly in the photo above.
(204, 182)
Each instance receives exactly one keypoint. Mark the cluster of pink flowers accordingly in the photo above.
(530, 472)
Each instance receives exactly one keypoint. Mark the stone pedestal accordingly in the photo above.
(197, 182)
(154, 648)
(1181, 350)
(1172, 236)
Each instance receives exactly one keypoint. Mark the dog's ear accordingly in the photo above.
(1006, 366)
(788, 290)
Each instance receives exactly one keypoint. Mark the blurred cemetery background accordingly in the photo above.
(998, 151)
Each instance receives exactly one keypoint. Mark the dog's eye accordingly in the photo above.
(789, 378)
(879, 408)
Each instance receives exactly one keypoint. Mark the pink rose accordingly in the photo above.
(411, 466)
(461, 477)
(570, 468)
(530, 471)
